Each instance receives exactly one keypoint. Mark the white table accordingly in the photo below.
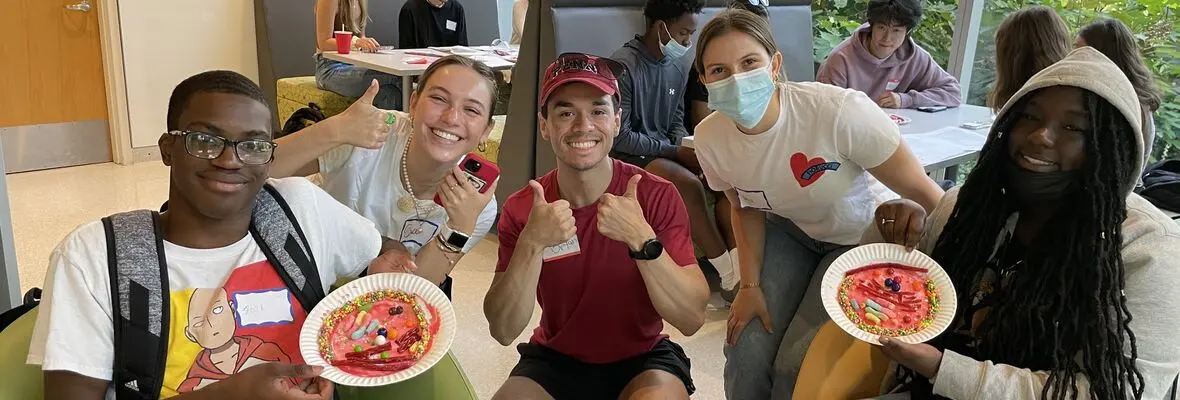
(393, 62)
(922, 122)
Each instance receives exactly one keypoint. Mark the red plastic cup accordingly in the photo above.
(343, 42)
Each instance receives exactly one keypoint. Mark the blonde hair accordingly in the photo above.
(1027, 41)
(738, 20)
(345, 18)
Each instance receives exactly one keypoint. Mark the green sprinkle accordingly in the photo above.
(366, 307)
(356, 348)
(385, 354)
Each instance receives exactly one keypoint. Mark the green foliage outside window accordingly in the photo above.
(1155, 23)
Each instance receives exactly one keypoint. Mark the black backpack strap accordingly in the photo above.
(139, 297)
(282, 240)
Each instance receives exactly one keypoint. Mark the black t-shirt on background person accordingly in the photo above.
(694, 91)
(422, 25)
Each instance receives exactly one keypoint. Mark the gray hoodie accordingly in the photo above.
(652, 93)
(1150, 252)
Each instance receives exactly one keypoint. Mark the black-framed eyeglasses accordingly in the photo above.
(208, 146)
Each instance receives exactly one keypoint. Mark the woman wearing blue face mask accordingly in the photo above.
(792, 158)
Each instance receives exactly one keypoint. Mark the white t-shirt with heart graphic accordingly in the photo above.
(810, 166)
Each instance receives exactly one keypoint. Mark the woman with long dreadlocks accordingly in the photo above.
(1067, 282)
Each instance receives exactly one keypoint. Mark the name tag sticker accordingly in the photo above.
(892, 84)
(755, 199)
(569, 248)
(451, 25)
(418, 231)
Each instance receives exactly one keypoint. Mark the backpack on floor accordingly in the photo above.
(1161, 185)
(140, 294)
(302, 118)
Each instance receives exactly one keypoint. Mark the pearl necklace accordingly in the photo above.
(409, 202)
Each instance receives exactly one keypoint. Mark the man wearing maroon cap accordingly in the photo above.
(604, 247)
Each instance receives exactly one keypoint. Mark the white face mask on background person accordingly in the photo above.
(673, 49)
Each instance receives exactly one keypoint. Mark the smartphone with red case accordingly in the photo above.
(480, 172)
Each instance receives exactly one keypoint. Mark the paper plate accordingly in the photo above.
(900, 119)
(412, 284)
(888, 253)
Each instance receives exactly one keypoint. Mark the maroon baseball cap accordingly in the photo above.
(602, 73)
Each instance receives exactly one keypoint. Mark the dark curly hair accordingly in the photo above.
(670, 10)
(907, 13)
(211, 82)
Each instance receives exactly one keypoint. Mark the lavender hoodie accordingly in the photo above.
(920, 81)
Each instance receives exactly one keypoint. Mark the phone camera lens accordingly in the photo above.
(472, 166)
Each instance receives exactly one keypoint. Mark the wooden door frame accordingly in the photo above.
(118, 119)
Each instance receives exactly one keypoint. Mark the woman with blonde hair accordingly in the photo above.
(1027, 41)
(800, 162)
(342, 78)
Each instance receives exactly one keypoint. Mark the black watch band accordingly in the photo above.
(651, 250)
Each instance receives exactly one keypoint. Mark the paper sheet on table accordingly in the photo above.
(420, 52)
(944, 144)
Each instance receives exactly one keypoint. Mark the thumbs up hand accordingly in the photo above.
(549, 224)
(621, 217)
(362, 124)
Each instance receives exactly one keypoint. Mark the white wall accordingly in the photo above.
(165, 42)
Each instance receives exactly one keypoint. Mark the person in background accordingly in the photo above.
(1066, 280)
(388, 165)
(431, 23)
(520, 11)
(1027, 41)
(343, 78)
(800, 162)
(696, 96)
(1117, 42)
(612, 242)
(218, 151)
(653, 120)
(884, 62)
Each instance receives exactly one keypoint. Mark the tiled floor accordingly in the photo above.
(47, 205)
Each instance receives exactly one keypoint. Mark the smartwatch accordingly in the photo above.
(454, 239)
(651, 250)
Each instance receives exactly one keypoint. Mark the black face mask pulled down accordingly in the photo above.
(1038, 188)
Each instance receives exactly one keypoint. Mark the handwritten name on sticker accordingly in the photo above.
(569, 248)
(264, 308)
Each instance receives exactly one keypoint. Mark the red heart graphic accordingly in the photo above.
(800, 164)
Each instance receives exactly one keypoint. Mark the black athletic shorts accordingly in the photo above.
(567, 378)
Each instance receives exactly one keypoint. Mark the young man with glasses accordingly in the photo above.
(614, 244)
(232, 324)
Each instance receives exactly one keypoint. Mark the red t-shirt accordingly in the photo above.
(594, 306)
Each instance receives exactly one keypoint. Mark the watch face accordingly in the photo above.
(652, 249)
(457, 239)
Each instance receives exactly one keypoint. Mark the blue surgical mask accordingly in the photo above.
(673, 49)
(743, 97)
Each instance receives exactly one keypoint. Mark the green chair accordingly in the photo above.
(22, 381)
(295, 92)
